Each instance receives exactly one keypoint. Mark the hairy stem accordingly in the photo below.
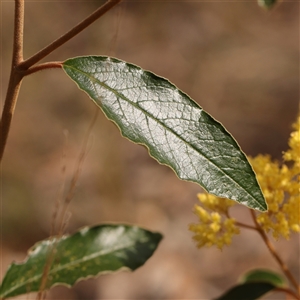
(21, 68)
(44, 66)
(68, 35)
(18, 33)
(272, 249)
(15, 76)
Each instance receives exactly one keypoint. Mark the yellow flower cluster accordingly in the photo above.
(214, 227)
(293, 154)
(281, 188)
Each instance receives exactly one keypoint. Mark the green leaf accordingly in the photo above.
(247, 291)
(263, 275)
(268, 4)
(151, 111)
(89, 252)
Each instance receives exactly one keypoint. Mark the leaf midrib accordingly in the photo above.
(65, 266)
(93, 79)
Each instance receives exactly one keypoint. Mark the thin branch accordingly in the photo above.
(18, 33)
(41, 67)
(21, 68)
(15, 77)
(60, 192)
(246, 226)
(63, 220)
(70, 34)
(75, 177)
(272, 249)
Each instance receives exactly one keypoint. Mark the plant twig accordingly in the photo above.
(76, 173)
(60, 192)
(245, 226)
(21, 68)
(18, 33)
(44, 66)
(55, 236)
(15, 79)
(70, 34)
(272, 249)
(62, 222)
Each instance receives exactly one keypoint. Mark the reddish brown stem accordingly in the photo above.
(70, 34)
(21, 68)
(44, 66)
(272, 249)
(245, 225)
(18, 33)
(15, 77)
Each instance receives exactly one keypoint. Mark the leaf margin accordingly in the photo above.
(4, 294)
(261, 204)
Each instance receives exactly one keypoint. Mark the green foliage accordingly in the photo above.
(247, 291)
(254, 284)
(150, 110)
(89, 252)
(268, 4)
(263, 276)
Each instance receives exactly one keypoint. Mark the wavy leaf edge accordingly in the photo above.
(260, 206)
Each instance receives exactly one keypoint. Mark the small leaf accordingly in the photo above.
(150, 110)
(247, 291)
(268, 4)
(89, 252)
(264, 276)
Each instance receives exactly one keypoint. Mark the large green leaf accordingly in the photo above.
(150, 110)
(89, 252)
(247, 291)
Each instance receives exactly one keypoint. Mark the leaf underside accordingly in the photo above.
(150, 110)
(89, 252)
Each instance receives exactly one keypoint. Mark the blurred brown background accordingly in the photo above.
(238, 61)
